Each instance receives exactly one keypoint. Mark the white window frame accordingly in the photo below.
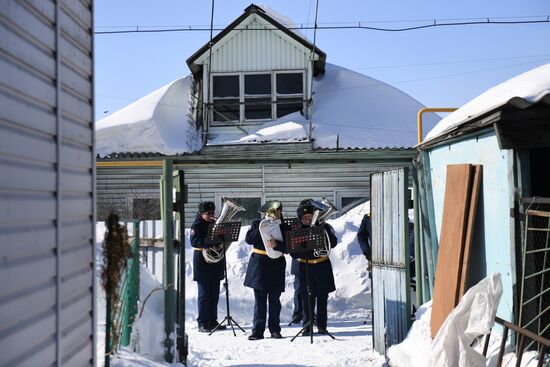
(340, 194)
(274, 95)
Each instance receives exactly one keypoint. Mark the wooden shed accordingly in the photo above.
(506, 130)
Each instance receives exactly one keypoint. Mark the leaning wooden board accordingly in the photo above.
(453, 231)
(476, 186)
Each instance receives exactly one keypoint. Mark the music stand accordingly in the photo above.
(293, 224)
(226, 233)
(302, 240)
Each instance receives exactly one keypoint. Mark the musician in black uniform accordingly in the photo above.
(207, 275)
(266, 275)
(364, 239)
(320, 276)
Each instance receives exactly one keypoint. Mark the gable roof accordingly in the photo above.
(318, 67)
(521, 91)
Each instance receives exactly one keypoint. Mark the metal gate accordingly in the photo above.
(390, 254)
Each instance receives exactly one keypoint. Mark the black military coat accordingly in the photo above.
(203, 271)
(263, 272)
(320, 276)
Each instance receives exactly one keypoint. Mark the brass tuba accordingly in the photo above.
(323, 210)
(269, 227)
(230, 207)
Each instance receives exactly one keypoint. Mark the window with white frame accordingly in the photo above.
(346, 200)
(249, 97)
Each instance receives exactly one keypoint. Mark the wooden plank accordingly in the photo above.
(455, 210)
(476, 186)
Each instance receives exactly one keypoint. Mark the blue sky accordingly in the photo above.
(440, 67)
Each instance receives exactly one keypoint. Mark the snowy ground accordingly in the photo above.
(352, 347)
(348, 309)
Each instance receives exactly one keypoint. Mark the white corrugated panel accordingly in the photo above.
(46, 186)
(391, 300)
(260, 50)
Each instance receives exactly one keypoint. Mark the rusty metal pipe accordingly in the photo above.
(427, 109)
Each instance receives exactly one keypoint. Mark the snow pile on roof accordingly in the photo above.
(361, 112)
(283, 20)
(350, 110)
(159, 122)
(532, 86)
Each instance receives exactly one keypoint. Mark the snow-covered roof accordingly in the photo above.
(350, 111)
(157, 123)
(530, 86)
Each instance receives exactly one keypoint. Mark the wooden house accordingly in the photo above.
(263, 116)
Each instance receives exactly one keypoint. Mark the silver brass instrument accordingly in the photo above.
(269, 229)
(323, 210)
(230, 207)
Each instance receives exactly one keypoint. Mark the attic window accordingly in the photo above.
(250, 97)
(257, 94)
(225, 92)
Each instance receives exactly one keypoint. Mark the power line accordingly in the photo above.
(307, 24)
(448, 62)
(359, 25)
(374, 83)
(393, 83)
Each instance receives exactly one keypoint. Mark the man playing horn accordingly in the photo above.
(321, 278)
(207, 275)
(266, 272)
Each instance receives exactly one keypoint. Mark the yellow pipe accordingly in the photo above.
(426, 109)
(130, 164)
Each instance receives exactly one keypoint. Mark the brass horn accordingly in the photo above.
(230, 207)
(323, 210)
(269, 227)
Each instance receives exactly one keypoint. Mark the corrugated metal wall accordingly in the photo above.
(117, 186)
(257, 51)
(46, 183)
(390, 277)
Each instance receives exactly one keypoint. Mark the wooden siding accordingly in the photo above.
(46, 185)
(290, 183)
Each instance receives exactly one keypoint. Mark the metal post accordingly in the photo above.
(181, 339)
(168, 273)
(129, 298)
(417, 255)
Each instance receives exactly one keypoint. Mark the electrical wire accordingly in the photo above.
(375, 82)
(434, 24)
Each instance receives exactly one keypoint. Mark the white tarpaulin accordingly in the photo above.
(474, 316)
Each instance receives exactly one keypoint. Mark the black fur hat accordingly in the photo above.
(305, 207)
(207, 206)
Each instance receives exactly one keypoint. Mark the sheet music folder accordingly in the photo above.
(222, 232)
(306, 239)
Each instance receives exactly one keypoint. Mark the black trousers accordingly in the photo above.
(209, 294)
(321, 302)
(261, 299)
